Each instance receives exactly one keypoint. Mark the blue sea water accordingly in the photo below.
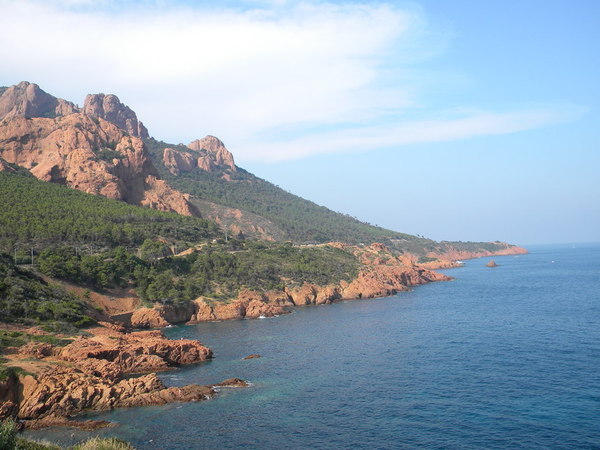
(505, 357)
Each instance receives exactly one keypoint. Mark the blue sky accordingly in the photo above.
(462, 120)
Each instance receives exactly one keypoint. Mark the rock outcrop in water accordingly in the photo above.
(89, 374)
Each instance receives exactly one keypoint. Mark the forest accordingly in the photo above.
(39, 214)
(100, 243)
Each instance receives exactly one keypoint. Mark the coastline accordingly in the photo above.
(94, 373)
(382, 274)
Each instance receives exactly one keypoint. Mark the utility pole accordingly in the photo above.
(15, 256)
(32, 256)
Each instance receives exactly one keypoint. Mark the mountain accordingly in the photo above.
(104, 149)
(56, 142)
(28, 100)
(109, 108)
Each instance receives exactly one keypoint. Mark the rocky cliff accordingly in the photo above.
(208, 154)
(97, 151)
(28, 100)
(91, 155)
(381, 274)
(90, 374)
(109, 108)
(450, 252)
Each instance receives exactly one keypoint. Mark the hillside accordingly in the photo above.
(300, 220)
(288, 217)
(104, 149)
(102, 243)
(39, 214)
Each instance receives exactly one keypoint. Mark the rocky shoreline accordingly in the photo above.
(93, 373)
(382, 274)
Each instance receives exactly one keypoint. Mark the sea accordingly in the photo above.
(504, 357)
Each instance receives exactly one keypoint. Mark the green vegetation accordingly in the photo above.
(302, 220)
(475, 246)
(100, 243)
(39, 214)
(9, 440)
(108, 154)
(26, 298)
(8, 435)
(12, 371)
(99, 443)
(426, 259)
(19, 338)
(218, 269)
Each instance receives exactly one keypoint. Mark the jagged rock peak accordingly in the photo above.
(93, 156)
(110, 108)
(216, 153)
(29, 100)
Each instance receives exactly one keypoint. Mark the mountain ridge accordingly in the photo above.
(104, 149)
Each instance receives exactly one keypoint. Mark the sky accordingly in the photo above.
(454, 120)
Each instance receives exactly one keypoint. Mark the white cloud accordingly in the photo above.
(452, 127)
(250, 75)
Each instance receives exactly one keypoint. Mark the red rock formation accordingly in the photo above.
(161, 316)
(177, 161)
(28, 100)
(89, 376)
(215, 153)
(109, 108)
(208, 154)
(116, 354)
(91, 155)
(57, 395)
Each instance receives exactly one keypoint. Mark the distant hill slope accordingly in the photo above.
(301, 220)
(295, 218)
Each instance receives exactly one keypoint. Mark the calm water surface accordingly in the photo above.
(499, 358)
